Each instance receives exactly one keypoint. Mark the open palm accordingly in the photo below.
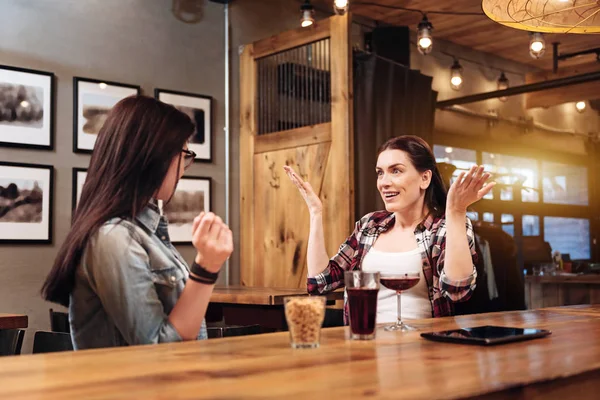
(468, 188)
(308, 194)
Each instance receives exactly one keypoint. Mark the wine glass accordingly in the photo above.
(400, 282)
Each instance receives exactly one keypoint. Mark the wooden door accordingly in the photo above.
(296, 109)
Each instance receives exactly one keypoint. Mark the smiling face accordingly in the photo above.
(400, 184)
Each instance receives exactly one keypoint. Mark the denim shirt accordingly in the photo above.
(127, 283)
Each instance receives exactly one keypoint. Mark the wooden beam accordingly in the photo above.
(290, 39)
(304, 136)
(572, 93)
(338, 185)
(247, 135)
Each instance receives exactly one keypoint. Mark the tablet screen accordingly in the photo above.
(489, 333)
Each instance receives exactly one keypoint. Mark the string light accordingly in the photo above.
(503, 84)
(456, 76)
(308, 12)
(341, 6)
(537, 45)
(424, 38)
(580, 106)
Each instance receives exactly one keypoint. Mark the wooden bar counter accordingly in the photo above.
(395, 365)
(561, 290)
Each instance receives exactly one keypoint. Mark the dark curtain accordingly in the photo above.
(389, 100)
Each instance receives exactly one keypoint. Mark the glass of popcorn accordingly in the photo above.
(304, 315)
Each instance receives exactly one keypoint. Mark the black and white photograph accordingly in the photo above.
(26, 108)
(25, 203)
(79, 175)
(93, 99)
(199, 108)
(193, 195)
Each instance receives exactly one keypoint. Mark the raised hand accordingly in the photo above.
(213, 240)
(310, 197)
(468, 188)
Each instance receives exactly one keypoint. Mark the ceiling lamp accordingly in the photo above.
(580, 106)
(456, 76)
(548, 16)
(341, 6)
(308, 12)
(424, 39)
(503, 84)
(537, 45)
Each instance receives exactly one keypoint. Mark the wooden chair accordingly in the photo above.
(11, 341)
(50, 342)
(59, 321)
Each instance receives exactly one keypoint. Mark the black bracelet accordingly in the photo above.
(202, 280)
(202, 272)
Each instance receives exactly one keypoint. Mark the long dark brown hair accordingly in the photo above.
(422, 157)
(132, 155)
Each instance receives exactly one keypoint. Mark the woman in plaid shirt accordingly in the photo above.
(422, 224)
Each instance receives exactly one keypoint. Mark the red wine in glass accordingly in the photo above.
(363, 310)
(399, 283)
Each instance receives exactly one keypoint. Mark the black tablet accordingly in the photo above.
(486, 335)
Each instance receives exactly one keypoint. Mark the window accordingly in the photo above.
(508, 224)
(473, 215)
(488, 217)
(462, 159)
(531, 225)
(565, 184)
(569, 236)
(511, 172)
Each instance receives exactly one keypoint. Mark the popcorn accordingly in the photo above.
(305, 316)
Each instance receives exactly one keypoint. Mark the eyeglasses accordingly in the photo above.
(188, 158)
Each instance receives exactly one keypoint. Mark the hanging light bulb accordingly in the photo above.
(424, 38)
(308, 12)
(503, 84)
(456, 76)
(580, 106)
(537, 45)
(341, 6)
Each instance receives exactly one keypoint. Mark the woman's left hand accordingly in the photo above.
(468, 188)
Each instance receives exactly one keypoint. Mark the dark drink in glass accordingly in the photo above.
(362, 289)
(399, 283)
(363, 310)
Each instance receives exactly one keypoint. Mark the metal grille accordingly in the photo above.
(294, 88)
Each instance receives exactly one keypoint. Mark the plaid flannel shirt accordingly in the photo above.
(431, 239)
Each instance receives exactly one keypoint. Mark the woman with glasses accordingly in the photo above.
(117, 271)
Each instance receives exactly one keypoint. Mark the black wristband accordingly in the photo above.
(202, 280)
(202, 272)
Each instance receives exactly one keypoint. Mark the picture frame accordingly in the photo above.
(27, 107)
(192, 196)
(26, 203)
(79, 176)
(92, 100)
(199, 108)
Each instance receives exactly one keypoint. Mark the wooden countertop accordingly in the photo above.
(13, 321)
(260, 296)
(395, 365)
(589, 278)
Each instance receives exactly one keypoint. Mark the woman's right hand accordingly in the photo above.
(310, 197)
(213, 240)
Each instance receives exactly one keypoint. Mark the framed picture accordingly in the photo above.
(26, 108)
(26, 203)
(199, 109)
(92, 100)
(193, 195)
(79, 175)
